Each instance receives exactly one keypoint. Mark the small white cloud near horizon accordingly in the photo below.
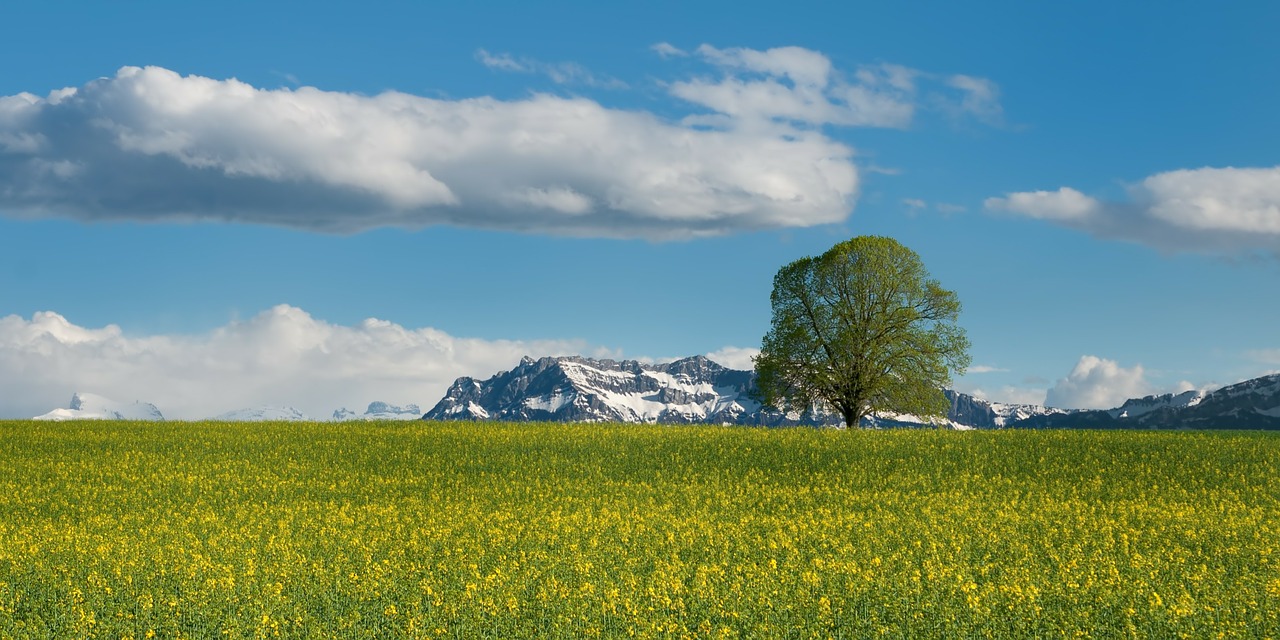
(282, 356)
(735, 357)
(1009, 394)
(1226, 210)
(1098, 383)
(982, 368)
(1264, 356)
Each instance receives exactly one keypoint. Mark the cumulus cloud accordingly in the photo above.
(1210, 210)
(281, 356)
(735, 357)
(149, 144)
(1064, 204)
(796, 85)
(1098, 383)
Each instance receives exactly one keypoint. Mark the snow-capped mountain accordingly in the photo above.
(981, 414)
(380, 411)
(1252, 404)
(262, 414)
(88, 406)
(692, 390)
(1135, 407)
(576, 389)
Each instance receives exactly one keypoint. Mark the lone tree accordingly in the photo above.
(861, 328)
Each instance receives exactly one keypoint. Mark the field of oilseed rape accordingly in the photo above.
(423, 530)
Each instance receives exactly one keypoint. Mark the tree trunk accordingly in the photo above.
(852, 418)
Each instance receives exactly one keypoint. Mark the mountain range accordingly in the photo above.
(698, 390)
(692, 390)
(88, 406)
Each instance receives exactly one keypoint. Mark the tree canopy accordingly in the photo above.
(862, 328)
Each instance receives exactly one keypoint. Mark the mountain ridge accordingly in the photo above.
(694, 390)
(699, 390)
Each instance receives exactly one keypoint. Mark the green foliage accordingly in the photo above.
(861, 328)
(424, 530)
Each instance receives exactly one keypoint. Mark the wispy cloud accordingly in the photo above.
(1230, 211)
(982, 368)
(667, 50)
(1265, 356)
(979, 98)
(558, 72)
(280, 356)
(1010, 394)
(799, 85)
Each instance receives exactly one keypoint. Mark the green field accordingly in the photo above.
(198, 530)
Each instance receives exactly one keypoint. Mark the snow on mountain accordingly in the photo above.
(974, 412)
(1252, 404)
(1135, 407)
(88, 406)
(380, 411)
(262, 414)
(580, 389)
(692, 390)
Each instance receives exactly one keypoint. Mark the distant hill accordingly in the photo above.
(1252, 404)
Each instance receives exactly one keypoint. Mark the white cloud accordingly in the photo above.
(281, 356)
(1064, 204)
(795, 85)
(1209, 210)
(1232, 200)
(501, 61)
(801, 86)
(914, 203)
(1011, 395)
(668, 50)
(149, 144)
(982, 368)
(735, 357)
(1265, 356)
(980, 98)
(1098, 383)
(558, 72)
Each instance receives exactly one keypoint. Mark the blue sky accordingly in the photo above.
(232, 190)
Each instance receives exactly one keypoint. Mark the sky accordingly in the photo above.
(224, 205)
